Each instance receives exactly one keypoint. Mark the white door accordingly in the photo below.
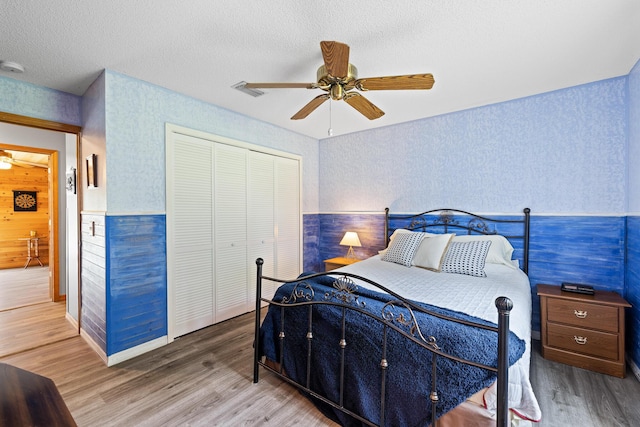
(230, 218)
(190, 237)
(260, 224)
(226, 206)
(288, 222)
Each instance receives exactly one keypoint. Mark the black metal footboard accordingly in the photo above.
(398, 316)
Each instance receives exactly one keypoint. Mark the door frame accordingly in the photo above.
(54, 256)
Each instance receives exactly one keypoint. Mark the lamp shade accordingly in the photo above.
(350, 239)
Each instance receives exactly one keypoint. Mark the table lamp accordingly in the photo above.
(350, 239)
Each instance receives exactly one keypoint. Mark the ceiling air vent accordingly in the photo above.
(253, 92)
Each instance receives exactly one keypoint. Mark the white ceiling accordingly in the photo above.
(480, 52)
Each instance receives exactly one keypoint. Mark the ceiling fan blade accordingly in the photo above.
(363, 105)
(410, 81)
(336, 58)
(280, 85)
(310, 107)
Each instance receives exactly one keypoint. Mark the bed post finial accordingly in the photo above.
(504, 304)
(386, 227)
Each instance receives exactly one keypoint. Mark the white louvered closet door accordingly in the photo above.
(287, 208)
(260, 224)
(230, 219)
(190, 237)
(227, 204)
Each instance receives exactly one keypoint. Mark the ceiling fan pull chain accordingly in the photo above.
(330, 131)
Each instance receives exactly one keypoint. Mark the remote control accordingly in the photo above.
(577, 287)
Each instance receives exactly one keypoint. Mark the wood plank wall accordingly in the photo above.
(94, 279)
(17, 225)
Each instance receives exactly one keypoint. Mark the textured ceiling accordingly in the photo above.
(480, 52)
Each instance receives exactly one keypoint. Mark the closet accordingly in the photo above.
(228, 203)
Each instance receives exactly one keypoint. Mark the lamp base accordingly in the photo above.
(350, 253)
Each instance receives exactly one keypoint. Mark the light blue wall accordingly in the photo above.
(136, 115)
(25, 99)
(559, 152)
(94, 141)
(633, 188)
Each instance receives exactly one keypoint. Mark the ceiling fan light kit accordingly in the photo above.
(339, 79)
(5, 160)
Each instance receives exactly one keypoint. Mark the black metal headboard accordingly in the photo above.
(450, 220)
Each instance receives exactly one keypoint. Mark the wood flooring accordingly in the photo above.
(205, 379)
(23, 286)
(202, 379)
(33, 326)
(570, 396)
(28, 318)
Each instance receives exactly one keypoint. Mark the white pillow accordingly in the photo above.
(500, 251)
(431, 251)
(403, 247)
(466, 258)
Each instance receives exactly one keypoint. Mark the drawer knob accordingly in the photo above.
(580, 340)
(580, 314)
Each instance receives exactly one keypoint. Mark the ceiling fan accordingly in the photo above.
(7, 160)
(340, 80)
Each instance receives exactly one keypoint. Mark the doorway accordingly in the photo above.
(57, 239)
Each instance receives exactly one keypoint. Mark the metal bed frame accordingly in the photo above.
(397, 315)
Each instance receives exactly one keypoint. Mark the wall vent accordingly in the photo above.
(249, 91)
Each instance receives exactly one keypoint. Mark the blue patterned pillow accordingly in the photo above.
(402, 248)
(466, 258)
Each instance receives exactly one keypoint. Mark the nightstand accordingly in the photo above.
(333, 263)
(586, 331)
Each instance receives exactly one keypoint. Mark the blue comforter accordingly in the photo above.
(409, 366)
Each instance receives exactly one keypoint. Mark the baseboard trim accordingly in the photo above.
(71, 320)
(634, 368)
(94, 346)
(130, 353)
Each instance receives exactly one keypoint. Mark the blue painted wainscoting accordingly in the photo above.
(311, 259)
(370, 229)
(323, 232)
(582, 249)
(136, 280)
(585, 249)
(633, 288)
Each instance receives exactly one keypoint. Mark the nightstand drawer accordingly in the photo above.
(583, 314)
(593, 343)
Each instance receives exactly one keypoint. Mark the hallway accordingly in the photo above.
(28, 318)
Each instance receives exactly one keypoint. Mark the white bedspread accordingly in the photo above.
(475, 296)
